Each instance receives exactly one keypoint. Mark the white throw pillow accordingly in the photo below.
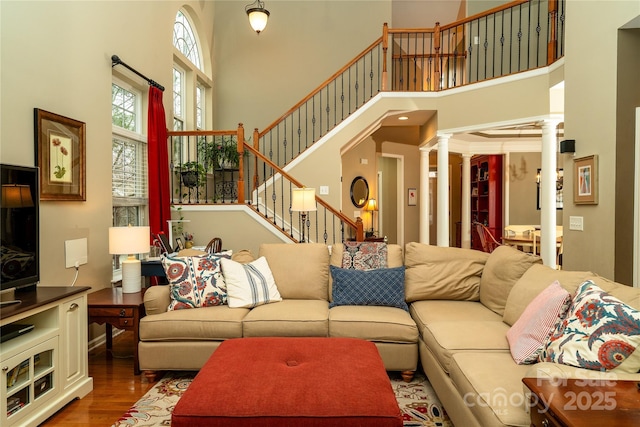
(249, 285)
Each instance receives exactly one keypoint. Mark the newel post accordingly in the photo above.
(359, 230)
(240, 147)
(256, 146)
(385, 46)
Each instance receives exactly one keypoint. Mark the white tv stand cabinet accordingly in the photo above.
(43, 370)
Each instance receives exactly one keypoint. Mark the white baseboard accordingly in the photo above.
(102, 339)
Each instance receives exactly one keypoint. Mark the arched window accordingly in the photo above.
(184, 39)
(191, 84)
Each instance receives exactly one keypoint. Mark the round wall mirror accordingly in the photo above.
(359, 191)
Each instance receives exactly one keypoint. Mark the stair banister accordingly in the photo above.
(486, 13)
(298, 184)
(320, 87)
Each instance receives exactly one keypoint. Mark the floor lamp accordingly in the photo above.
(130, 241)
(303, 200)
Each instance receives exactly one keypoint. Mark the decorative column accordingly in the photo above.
(548, 193)
(465, 227)
(443, 191)
(424, 195)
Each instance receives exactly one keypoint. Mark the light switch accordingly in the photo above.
(575, 223)
(324, 190)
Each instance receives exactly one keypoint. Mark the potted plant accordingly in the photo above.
(192, 173)
(221, 153)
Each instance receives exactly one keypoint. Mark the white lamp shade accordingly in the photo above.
(258, 18)
(372, 205)
(303, 199)
(129, 240)
(16, 196)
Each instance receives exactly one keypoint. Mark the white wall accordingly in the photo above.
(590, 119)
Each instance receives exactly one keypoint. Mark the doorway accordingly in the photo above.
(390, 178)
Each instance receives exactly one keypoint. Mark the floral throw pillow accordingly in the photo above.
(195, 281)
(364, 255)
(600, 333)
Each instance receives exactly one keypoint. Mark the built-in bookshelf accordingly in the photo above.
(486, 195)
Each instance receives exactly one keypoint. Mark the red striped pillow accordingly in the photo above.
(527, 336)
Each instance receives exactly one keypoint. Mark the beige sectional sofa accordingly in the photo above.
(462, 303)
(184, 339)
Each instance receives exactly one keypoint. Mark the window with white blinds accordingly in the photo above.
(129, 172)
(128, 163)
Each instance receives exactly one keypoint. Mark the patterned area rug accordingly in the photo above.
(417, 400)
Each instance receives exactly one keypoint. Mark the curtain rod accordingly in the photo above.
(115, 60)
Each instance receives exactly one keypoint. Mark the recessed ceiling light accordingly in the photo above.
(403, 118)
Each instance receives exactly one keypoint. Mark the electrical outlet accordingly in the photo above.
(75, 252)
(576, 223)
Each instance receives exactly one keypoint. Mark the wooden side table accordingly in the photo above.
(583, 402)
(124, 311)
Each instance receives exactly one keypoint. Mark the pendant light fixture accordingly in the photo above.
(258, 15)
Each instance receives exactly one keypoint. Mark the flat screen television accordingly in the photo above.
(19, 227)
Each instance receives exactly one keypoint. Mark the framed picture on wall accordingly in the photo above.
(585, 180)
(412, 196)
(60, 155)
(559, 189)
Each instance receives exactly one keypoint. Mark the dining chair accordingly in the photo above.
(214, 246)
(488, 242)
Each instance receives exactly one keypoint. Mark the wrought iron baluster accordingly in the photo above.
(328, 110)
(510, 40)
(313, 119)
(299, 133)
(290, 211)
(538, 30)
(520, 38)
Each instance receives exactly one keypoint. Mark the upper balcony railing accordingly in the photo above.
(519, 36)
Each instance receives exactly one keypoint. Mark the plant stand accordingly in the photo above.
(226, 184)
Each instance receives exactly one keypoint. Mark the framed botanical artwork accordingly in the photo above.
(585, 180)
(60, 155)
(412, 196)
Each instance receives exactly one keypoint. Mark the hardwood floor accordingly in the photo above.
(115, 388)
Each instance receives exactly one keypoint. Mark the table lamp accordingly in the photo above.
(371, 206)
(130, 241)
(16, 196)
(303, 200)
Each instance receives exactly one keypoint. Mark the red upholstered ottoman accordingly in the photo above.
(290, 382)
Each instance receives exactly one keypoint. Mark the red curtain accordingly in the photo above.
(158, 165)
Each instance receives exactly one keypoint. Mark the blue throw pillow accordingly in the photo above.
(383, 286)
